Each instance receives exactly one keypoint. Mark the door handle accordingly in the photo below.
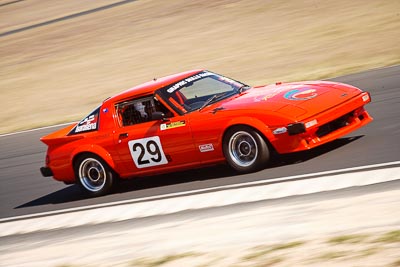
(123, 135)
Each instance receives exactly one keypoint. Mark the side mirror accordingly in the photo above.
(158, 115)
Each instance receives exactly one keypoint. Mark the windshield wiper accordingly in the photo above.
(208, 101)
(220, 95)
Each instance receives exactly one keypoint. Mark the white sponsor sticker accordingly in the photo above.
(87, 127)
(147, 152)
(206, 147)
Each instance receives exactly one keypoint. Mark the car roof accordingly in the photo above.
(150, 87)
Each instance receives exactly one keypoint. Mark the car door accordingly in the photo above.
(148, 146)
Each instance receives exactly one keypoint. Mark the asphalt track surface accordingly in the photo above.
(24, 191)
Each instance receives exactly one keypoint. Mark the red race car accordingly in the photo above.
(198, 118)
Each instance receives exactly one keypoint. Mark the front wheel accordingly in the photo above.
(245, 150)
(94, 175)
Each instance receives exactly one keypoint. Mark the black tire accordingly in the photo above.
(94, 175)
(245, 150)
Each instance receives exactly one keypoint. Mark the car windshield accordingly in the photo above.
(199, 90)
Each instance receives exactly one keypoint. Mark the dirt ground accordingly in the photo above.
(59, 71)
(346, 231)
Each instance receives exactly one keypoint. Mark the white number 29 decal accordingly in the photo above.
(147, 152)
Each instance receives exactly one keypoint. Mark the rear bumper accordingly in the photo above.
(46, 171)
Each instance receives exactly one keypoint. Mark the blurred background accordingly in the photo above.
(60, 59)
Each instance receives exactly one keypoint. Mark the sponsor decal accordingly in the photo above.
(88, 120)
(147, 152)
(89, 123)
(171, 125)
(183, 82)
(270, 94)
(266, 97)
(206, 148)
(300, 94)
(275, 91)
(280, 130)
(86, 127)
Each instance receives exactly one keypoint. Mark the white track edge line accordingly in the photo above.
(225, 187)
(360, 72)
(37, 129)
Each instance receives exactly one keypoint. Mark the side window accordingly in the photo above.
(137, 111)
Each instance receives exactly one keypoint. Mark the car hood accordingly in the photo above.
(294, 100)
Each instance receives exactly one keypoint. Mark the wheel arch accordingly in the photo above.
(253, 123)
(93, 150)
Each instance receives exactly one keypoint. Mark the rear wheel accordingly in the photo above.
(245, 150)
(94, 175)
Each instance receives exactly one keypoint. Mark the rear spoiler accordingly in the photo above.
(50, 141)
(61, 136)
